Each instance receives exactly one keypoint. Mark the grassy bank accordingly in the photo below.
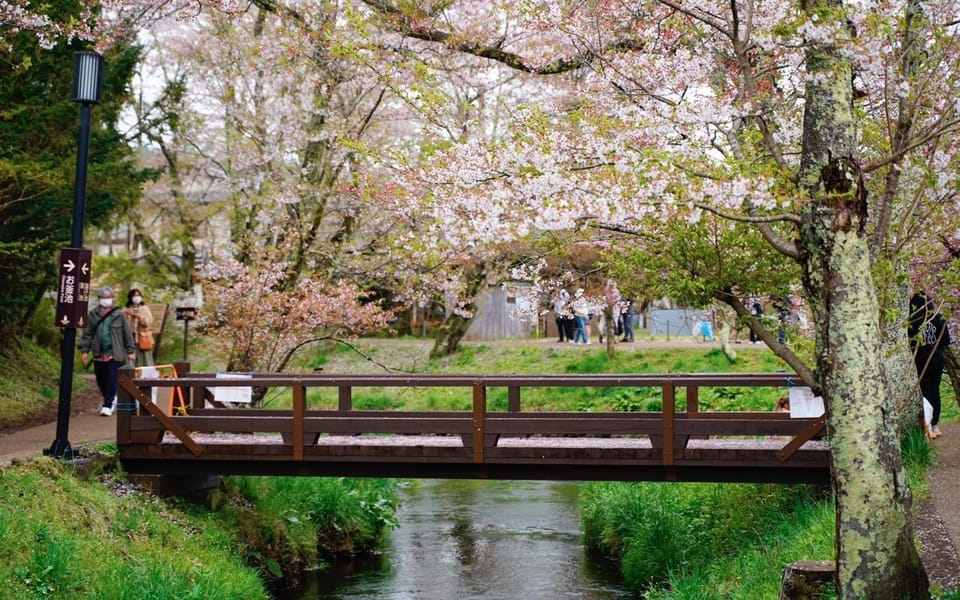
(65, 537)
(29, 384)
(676, 540)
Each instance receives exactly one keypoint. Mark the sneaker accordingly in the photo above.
(106, 411)
(935, 431)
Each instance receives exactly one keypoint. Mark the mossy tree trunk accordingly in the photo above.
(876, 556)
(900, 374)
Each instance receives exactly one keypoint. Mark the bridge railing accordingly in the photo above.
(483, 434)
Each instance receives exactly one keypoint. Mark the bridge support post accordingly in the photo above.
(202, 489)
(479, 414)
(125, 407)
(668, 411)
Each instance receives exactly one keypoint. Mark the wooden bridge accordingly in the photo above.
(207, 437)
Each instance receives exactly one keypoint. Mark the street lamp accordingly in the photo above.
(86, 88)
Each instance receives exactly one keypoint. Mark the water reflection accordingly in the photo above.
(465, 540)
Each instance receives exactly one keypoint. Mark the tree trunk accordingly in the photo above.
(899, 372)
(610, 332)
(454, 327)
(876, 556)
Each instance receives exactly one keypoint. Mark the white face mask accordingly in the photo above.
(137, 299)
(106, 302)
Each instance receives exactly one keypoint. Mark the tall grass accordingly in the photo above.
(62, 538)
(666, 533)
(333, 516)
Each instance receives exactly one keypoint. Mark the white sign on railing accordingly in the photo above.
(804, 404)
(233, 395)
(156, 394)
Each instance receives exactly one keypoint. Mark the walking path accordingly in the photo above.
(938, 517)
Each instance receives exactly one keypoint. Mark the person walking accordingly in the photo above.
(756, 309)
(108, 336)
(141, 321)
(561, 311)
(627, 316)
(929, 336)
(581, 316)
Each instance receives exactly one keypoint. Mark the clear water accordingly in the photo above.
(467, 539)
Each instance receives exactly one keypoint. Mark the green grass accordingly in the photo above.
(61, 537)
(330, 516)
(673, 536)
(29, 383)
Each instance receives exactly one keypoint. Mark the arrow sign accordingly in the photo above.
(73, 287)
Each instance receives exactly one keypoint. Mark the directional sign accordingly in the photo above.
(73, 287)
(186, 313)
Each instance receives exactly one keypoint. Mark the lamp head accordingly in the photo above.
(87, 85)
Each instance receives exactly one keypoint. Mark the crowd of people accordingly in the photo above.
(115, 337)
(573, 314)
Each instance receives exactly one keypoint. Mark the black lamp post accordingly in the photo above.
(86, 88)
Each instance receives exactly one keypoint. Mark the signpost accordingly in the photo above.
(186, 314)
(74, 284)
(73, 287)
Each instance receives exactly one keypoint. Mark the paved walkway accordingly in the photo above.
(87, 426)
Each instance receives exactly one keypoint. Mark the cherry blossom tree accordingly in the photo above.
(257, 325)
(786, 116)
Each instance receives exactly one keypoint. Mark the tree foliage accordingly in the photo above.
(38, 125)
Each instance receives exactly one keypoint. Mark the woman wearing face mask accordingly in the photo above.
(108, 336)
(141, 319)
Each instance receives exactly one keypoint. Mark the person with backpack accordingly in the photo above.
(108, 337)
(929, 337)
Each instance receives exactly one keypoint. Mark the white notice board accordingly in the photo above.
(233, 394)
(157, 395)
(804, 404)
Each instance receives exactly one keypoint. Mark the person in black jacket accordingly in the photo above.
(928, 337)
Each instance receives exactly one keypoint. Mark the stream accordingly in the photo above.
(472, 539)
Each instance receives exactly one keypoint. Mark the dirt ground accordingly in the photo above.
(937, 522)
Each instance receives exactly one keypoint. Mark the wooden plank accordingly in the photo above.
(804, 436)
(344, 397)
(513, 398)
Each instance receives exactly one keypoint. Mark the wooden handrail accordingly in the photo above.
(682, 443)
